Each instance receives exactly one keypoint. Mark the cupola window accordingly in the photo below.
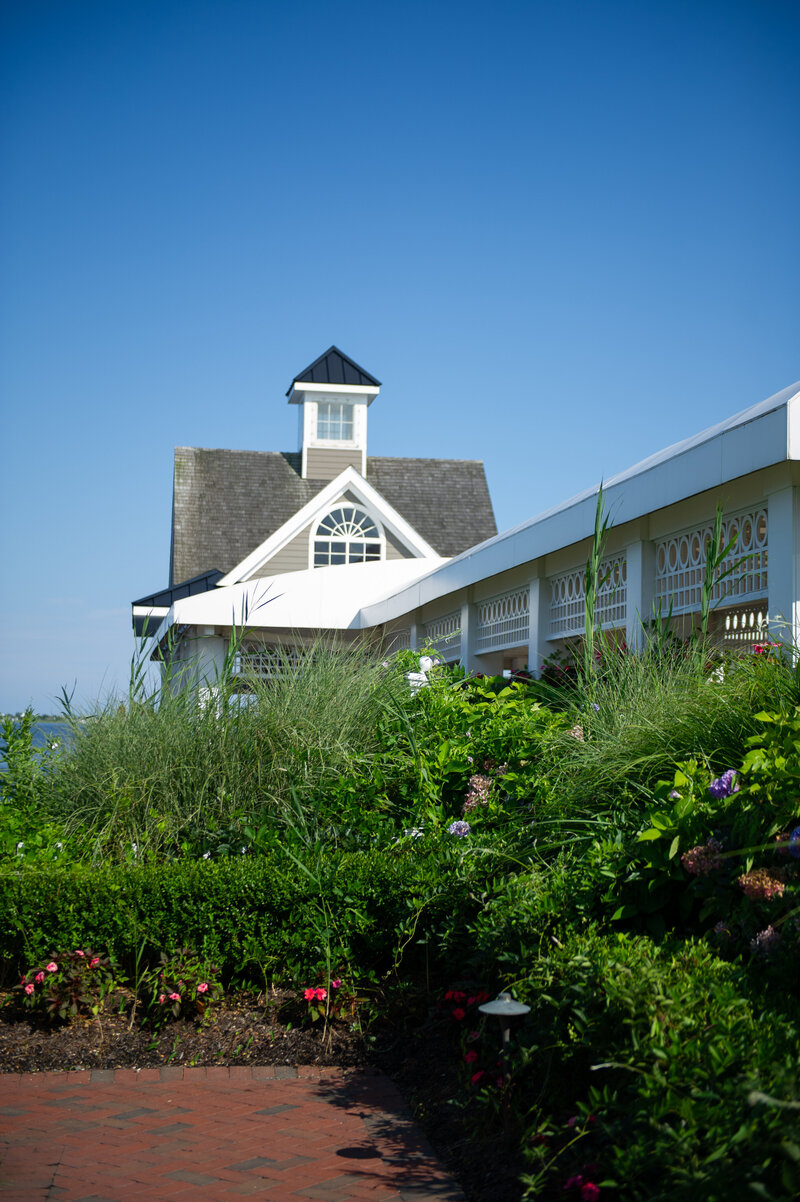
(347, 535)
(334, 421)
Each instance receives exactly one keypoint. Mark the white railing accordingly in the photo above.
(270, 662)
(503, 620)
(444, 634)
(397, 640)
(568, 599)
(741, 626)
(681, 563)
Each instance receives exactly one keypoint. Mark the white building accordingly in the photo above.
(512, 599)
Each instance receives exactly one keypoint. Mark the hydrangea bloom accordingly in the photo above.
(725, 785)
(702, 860)
(460, 829)
(794, 843)
(762, 884)
(765, 942)
(477, 792)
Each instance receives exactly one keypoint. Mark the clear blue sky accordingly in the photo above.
(563, 235)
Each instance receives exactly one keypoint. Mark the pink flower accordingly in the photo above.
(470, 1057)
(309, 994)
(77, 953)
(162, 997)
(336, 984)
(39, 978)
(29, 989)
(52, 966)
(590, 1192)
(93, 963)
(478, 1077)
(321, 994)
(202, 987)
(174, 997)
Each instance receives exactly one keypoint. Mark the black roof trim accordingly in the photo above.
(186, 588)
(334, 367)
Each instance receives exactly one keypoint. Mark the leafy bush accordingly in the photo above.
(166, 776)
(67, 984)
(183, 985)
(345, 913)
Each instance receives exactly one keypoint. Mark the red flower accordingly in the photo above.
(590, 1192)
(458, 1013)
(478, 1077)
(309, 994)
(470, 1057)
(321, 994)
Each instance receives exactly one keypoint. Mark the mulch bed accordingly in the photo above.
(260, 1031)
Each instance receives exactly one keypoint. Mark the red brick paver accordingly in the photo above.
(281, 1134)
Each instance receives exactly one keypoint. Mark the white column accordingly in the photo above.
(539, 618)
(640, 561)
(468, 619)
(783, 537)
(201, 661)
(413, 633)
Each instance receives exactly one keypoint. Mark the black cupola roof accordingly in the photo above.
(334, 367)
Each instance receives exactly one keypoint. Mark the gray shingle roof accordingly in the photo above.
(334, 367)
(226, 503)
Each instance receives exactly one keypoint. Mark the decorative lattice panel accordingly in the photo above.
(397, 640)
(445, 635)
(742, 626)
(681, 563)
(267, 662)
(503, 621)
(568, 594)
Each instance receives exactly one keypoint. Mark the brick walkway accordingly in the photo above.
(288, 1134)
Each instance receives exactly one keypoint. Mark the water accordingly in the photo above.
(44, 735)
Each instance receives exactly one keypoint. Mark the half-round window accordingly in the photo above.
(346, 535)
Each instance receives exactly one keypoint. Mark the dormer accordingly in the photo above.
(334, 394)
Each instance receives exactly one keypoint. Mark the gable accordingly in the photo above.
(348, 489)
(226, 503)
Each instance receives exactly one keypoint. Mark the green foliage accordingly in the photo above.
(67, 984)
(252, 913)
(647, 711)
(594, 581)
(168, 776)
(184, 985)
(641, 1061)
(26, 835)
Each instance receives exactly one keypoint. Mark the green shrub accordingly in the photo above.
(652, 1067)
(282, 915)
(166, 776)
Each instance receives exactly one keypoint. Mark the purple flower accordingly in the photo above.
(794, 843)
(724, 785)
(460, 829)
(765, 942)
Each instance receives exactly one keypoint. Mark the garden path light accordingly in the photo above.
(505, 1008)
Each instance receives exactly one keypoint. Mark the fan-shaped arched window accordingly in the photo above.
(346, 535)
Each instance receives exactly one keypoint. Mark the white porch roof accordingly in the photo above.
(328, 598)
(758, 437)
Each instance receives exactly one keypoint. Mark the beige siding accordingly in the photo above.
(291, 558)
(394, 548)
(325, 464)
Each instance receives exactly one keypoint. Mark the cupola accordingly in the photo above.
(334, 394)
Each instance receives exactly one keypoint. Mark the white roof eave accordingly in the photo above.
(755, 438)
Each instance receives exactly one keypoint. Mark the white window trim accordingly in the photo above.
(341, 504)
(321, 442)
